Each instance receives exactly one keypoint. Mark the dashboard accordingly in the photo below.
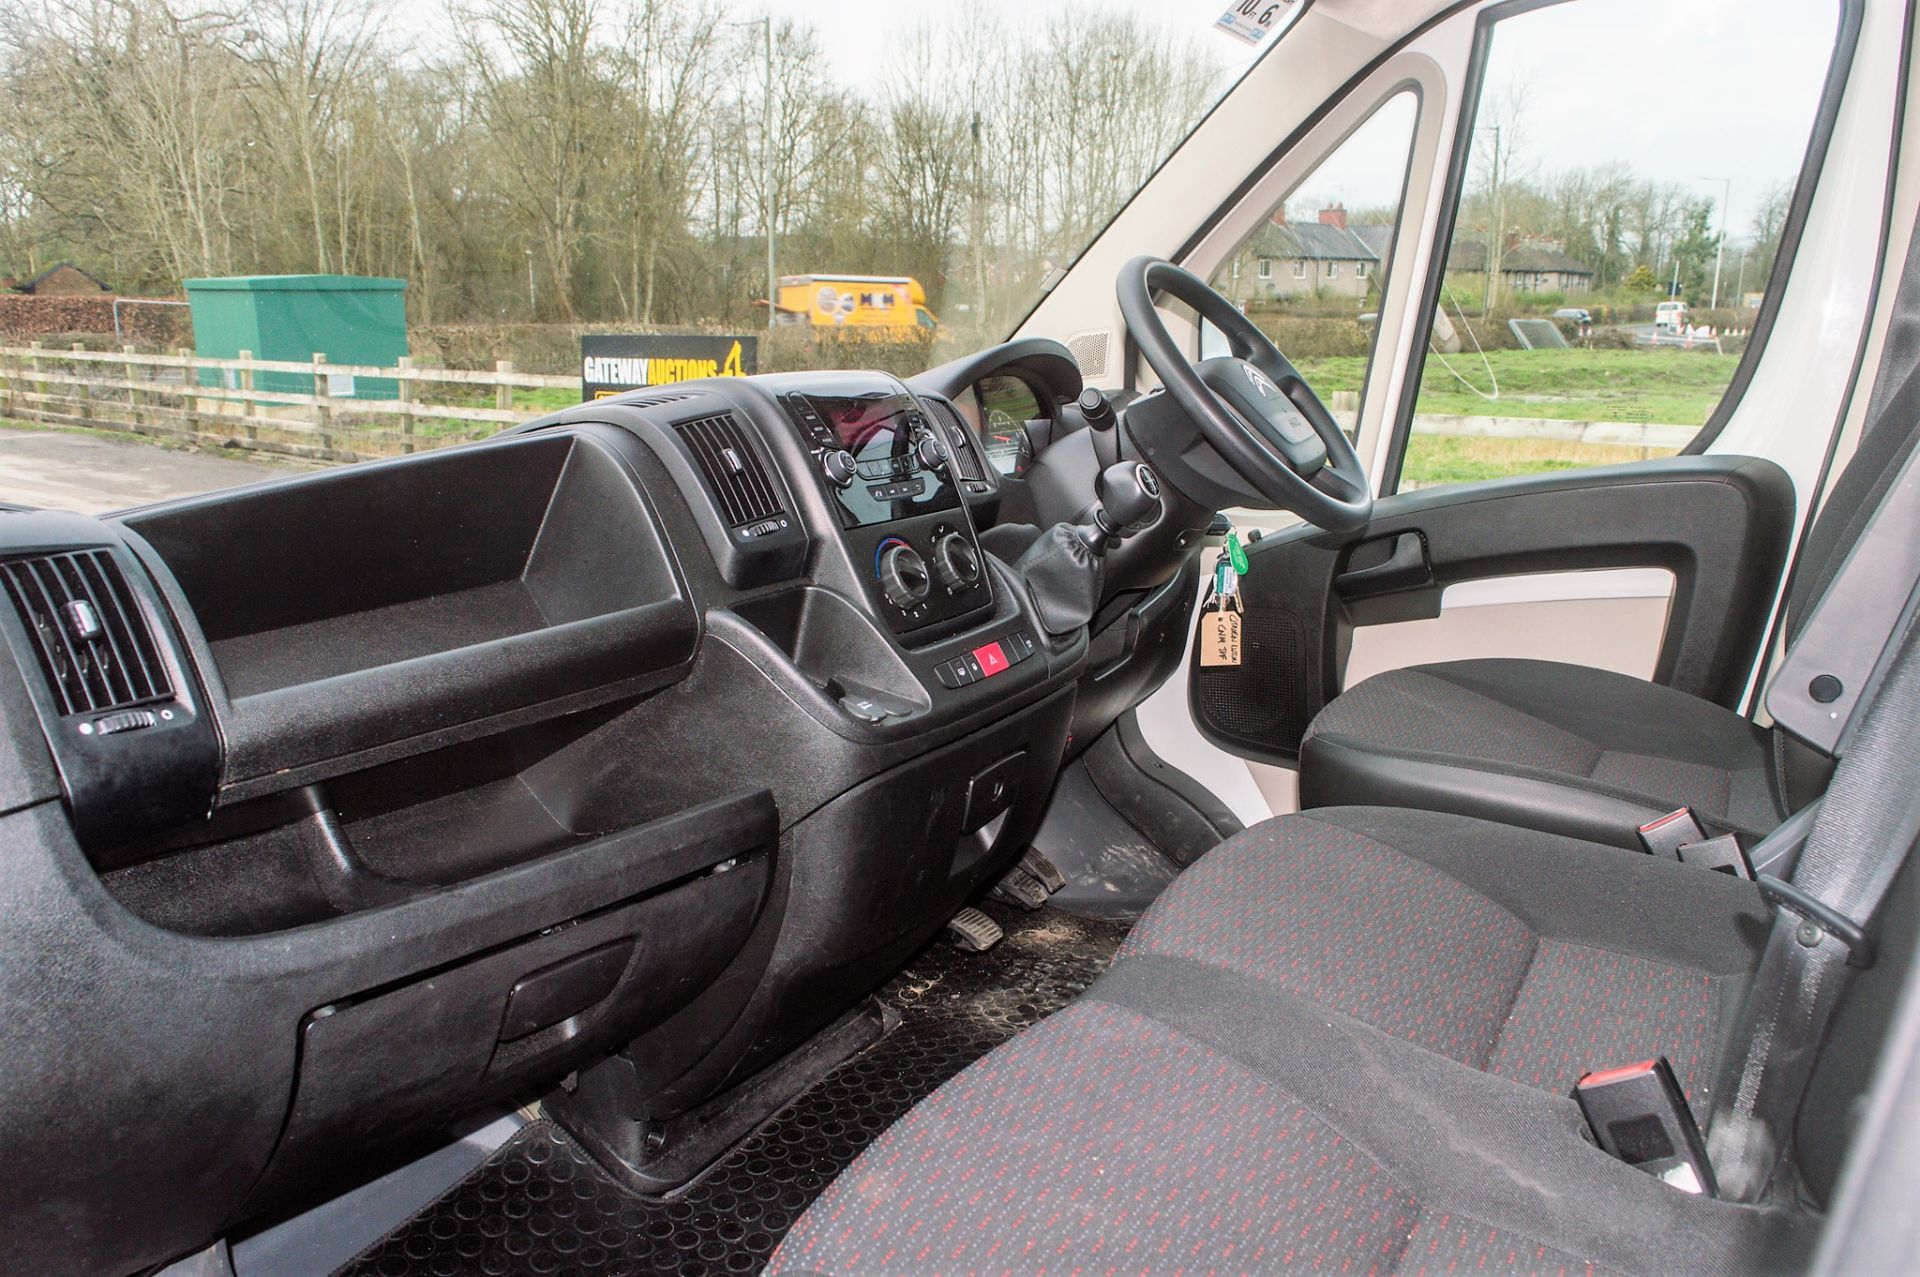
(633, 746)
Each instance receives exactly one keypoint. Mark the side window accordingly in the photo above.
(1312, 275)
(1617, 228)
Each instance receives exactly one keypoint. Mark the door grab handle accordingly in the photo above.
(1405, 569)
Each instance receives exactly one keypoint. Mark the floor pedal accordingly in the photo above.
(972, 929)
(1036, 863)
(1020, 888)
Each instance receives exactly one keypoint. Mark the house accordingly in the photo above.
(1285, 258)
(64, 280)
(1527, 266)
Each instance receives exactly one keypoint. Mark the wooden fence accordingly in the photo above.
(217, 403)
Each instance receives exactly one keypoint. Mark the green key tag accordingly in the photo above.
(1236, 553)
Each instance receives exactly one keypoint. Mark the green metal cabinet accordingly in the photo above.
(351, 319)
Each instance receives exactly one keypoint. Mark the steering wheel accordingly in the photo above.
(1252, 406)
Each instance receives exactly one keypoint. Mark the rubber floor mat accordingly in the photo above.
(541, 1205)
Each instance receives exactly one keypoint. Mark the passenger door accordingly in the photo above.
(1586, 491)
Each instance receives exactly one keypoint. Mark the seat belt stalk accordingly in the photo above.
(1664, 837)
(1639, 1114)
(1720, 855)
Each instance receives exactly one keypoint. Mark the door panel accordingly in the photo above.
(1719, 525)
(1612, 620)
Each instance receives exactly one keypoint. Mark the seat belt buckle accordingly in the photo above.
(1665, 836)
(1639, 1114)
(1722, 854)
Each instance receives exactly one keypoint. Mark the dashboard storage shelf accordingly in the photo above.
(373, 605)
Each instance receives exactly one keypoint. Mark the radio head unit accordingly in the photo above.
(899, 510)
(878, 455)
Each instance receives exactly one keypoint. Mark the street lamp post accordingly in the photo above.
(766, 166)
(1720, 246)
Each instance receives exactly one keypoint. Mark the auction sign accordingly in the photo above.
(611, 363)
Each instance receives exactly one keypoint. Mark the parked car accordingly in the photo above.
(1670, 317)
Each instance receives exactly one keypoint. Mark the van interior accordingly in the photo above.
(1116, 800)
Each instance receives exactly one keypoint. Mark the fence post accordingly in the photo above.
(406, 403)
(39, 395)
(133, 395)
(248, 407)
(503, 393)
(323, 411)
(190, 422)
(84, 392)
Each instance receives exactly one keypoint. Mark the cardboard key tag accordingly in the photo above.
(1220, 638)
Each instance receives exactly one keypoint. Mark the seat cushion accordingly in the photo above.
(1561, 748)
(1529, 955)
(1237, 1095)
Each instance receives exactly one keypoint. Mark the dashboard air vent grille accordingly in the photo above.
(731, 468)
(93, 643)
(960, 442)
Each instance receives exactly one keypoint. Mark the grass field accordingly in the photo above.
(1436, 459)
(1677, 387)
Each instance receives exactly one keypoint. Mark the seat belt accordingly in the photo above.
(1867, 825)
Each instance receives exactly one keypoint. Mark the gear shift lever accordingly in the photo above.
(1062, 569)
(1127, 492)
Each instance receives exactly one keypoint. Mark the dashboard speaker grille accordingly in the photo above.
(732, 469)
(93, 644)
(1089, 350)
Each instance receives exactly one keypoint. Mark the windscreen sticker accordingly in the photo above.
(1257, 21)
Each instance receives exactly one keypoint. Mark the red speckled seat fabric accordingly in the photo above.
(1342, 1042)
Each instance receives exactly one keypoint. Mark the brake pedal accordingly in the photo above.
(973, 930)
(1036, 863)
(1020, 888)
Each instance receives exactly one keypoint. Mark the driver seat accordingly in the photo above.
(1587, 753)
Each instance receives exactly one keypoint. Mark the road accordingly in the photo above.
(72, 471)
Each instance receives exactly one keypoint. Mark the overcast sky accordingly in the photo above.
(1677, 90)
(856, 32)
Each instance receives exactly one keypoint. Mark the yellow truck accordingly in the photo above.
(885, 307)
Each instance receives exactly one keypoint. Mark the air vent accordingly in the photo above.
(92, 641)
(960, 441)
(732, 469)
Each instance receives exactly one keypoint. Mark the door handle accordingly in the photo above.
(1406, 568)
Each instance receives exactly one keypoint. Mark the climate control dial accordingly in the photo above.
(903, 576)
(956, 564)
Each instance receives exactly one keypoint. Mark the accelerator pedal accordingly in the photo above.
(972, 930)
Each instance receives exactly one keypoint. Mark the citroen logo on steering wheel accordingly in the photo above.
(1261, 382)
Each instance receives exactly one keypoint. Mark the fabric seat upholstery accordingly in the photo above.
(1341, 1042)
(1561, 748)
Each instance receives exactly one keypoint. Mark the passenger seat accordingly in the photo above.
(1344, 1041)
(1586, 752)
